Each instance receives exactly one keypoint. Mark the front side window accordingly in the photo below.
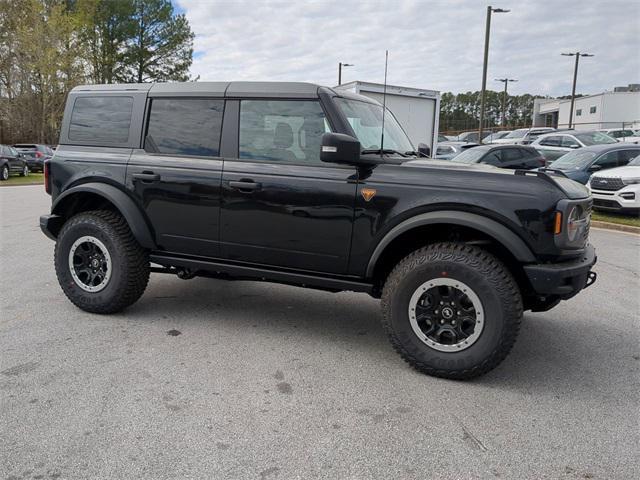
(103, 119)
(608, 160)
(569, 141)
(185, 126)
(366, 121)
(626, 156)
(282, 130)
(553, 141)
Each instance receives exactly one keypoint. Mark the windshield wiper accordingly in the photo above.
(417, 154)
(381, 151)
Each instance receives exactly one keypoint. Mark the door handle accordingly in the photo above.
(245, 185)
(147, 177)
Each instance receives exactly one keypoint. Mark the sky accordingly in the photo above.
(436, 45)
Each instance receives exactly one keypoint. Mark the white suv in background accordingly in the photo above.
(617, 189)
(622, 134)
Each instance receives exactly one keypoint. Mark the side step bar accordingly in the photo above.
(242, 272)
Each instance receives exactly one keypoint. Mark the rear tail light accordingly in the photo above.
(47, 177)
(543, 161)
(39, 155)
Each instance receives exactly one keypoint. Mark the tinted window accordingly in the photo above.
(569, 141)
(101, 119)
(608, 160)
(492, 158)
(511, 154)
(441, 150)
(185, 126)
(552, 141)
(626, 156)
(281, 130)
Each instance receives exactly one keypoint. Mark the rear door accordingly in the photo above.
(176, 176)
(281, 205)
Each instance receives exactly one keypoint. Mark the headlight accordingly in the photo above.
(575, 223)
(630, 181)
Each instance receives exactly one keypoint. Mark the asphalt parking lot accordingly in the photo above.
(212, 379)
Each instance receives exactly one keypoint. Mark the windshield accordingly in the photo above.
(518, 133)
(471, 155)
(576, 160)
(366, 121)
(594, 138)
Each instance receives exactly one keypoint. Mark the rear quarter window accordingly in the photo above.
(101, 119)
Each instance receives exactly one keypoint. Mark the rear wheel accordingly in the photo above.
(100, 265)
(4, 172)
(25, 171)
(452, 310)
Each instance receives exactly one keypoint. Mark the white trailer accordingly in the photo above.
(417, 110)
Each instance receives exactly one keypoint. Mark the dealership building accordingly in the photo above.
(617, 109)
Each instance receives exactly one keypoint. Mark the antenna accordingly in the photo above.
(384, 98)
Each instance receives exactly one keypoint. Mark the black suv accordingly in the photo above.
(287, 182)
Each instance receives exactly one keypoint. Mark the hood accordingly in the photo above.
(506, 141)
(502, 176)
(621, 172)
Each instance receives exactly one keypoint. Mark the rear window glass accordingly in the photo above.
(185, 126)
(101, 119)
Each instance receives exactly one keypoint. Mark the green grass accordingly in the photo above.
(32, 179)
(633, 220)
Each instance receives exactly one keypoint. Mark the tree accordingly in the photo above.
(161, 48)
(106, 26)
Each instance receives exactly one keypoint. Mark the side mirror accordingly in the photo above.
(594, 168)
(424, 149)
(340, 148)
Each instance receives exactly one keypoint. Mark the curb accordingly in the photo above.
(615, 226)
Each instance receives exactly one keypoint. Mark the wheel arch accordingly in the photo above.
(93, 196)
(448, 225)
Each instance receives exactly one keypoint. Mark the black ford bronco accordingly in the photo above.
(289, 183)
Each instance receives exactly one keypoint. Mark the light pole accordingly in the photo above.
(340, 65)
(490, 10)
(575, 77)
(504, 98)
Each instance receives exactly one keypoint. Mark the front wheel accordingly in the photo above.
(452, 310)
(100, 265)
(25, 171)
(4, 172)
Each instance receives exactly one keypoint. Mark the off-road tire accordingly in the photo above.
(490, 280)
(130, 262)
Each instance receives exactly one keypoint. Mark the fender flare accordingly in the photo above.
(490, 227)
(123, 202)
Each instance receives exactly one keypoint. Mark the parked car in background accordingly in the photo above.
(12, 162)
(622, 134)
(555, 145)
(503, 156)
(472, 136)
(617, 189)
(35, 155)
(496, 136)
(448, 150)
(523, 136)
(580, 164)
(442, 138)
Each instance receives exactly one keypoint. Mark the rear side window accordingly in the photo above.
(553, 141)
(185, 126)
(101, 119)
(282, 130)
(511, 154)
(626, 156)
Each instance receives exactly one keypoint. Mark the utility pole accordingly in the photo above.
(504, 98)
(575, 78)
(340, 65)
(486, 61)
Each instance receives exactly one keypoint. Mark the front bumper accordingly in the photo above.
(627, 199)
(563, 279)
(50, 225)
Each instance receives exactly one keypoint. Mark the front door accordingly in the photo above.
(176, 177)
(281, 206)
